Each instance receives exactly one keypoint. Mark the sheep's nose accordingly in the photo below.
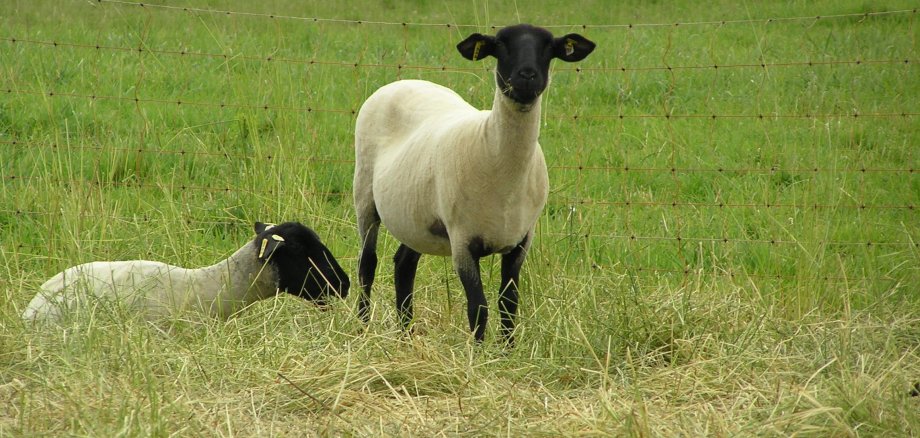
(527, 73)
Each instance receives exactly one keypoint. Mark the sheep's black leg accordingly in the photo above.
(466, 263)
(366, 268)
(367, 263)
(406, 262)
(508, 291)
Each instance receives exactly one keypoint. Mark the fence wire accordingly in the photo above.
(445, 68)
(80, 146)
(352, 111)
(229, 13)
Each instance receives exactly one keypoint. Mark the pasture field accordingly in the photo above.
(730, 247)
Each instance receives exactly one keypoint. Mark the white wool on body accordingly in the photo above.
(156, 289)
(435, 158)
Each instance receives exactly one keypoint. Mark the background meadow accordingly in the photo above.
(730, 245)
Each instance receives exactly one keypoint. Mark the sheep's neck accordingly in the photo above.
(237, 281)
(510, 132)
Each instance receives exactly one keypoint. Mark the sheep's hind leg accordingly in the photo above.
(508, 291)
(368, 226)
(406, 263)
(466, 263)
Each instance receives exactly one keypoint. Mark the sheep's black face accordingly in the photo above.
(524, 53)
(305, 266)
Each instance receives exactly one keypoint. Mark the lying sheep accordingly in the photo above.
(448, 179)
(288, 257)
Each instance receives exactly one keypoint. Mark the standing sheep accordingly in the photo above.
(288, 257)
(448, 179)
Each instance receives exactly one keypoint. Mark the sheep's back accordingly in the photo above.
(137, 283)
(400, 109)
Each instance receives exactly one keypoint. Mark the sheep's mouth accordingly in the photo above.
(526, 101)
(522, 92)
(525, 98)
(523, 104)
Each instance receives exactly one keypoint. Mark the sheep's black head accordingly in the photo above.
(523, 53)
(305, 266)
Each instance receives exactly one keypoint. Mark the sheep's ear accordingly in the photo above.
(268, 245)
(260, 227)
(572, 47)
(477, 46)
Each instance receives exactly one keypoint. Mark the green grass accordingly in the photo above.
(691, 275)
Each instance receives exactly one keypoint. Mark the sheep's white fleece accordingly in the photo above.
(425, 155)
(157, 289)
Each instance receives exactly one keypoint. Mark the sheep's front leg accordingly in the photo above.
(406, 263)
(508, 291)
(466, 263)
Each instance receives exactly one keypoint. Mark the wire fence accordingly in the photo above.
(854, 204)
(579, 168)
(445, 68)
(864, 205)
(226, 12)
(309, 109)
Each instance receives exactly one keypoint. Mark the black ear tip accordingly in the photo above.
(578, 37)
(590, 48)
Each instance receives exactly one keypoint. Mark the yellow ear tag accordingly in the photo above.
(262, 249)
(569, 46)
(476, 49)
(277, 238)
(269, 226)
